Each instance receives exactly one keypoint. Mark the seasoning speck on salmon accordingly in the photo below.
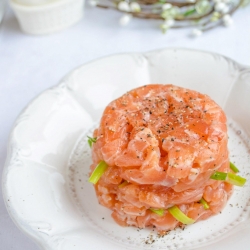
(161, 145)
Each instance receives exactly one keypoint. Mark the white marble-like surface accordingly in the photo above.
(30, 64)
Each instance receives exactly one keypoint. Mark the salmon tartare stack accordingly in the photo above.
(160, 158)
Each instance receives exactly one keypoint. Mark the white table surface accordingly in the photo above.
(31, 64)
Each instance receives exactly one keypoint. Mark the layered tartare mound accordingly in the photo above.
(160, 145)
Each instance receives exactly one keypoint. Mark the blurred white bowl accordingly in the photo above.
(2, 9)
(47, 17)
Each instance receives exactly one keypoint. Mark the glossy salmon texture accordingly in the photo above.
(161, 143)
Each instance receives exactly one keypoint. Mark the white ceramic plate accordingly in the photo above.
(45, 178)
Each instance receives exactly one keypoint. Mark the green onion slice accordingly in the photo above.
(229, 178)
(235, 180)
(91, 140)
(180, 216)
(98, 172)
(159, 211)
(234, 168)
(204, 203)
(219, 176)
(123, 184)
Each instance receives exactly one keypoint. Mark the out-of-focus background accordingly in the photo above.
(30, 64)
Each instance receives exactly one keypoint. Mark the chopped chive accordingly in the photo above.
(229, 178)
(91, 140)
(235, 180)
(98, 172)
(220, 176)
(180, 216)
(204, 203)
(234, 168)
(159, 211)
(123, 184)
(189, 12)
